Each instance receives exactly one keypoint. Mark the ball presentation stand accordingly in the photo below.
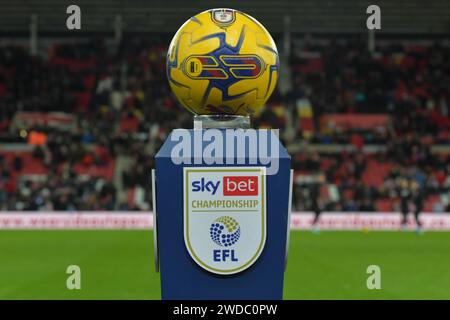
(182, 278)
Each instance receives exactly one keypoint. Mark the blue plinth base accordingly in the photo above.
(181, 276)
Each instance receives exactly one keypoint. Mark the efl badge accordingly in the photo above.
(223, 17)
(224, 216)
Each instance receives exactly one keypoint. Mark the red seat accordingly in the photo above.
(82, 100)
(385, 205)
(376, 172)
(129, 125)
(430, 202)
(30, 164)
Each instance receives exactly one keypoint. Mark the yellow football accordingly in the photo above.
(222, 61)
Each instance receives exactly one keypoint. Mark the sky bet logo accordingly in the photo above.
(205, 186)
(232, 186)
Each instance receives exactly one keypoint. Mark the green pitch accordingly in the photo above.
(119, 265)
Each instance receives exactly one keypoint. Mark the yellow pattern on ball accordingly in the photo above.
(222, 61)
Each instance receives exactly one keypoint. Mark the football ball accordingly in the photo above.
(222, 62)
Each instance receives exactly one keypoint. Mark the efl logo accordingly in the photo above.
(240, 186)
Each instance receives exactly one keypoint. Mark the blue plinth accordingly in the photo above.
(181, 276)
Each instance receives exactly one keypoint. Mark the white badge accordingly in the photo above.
(223, 17)
(224, 216)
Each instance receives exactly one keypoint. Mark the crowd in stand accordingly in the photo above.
(130, 111)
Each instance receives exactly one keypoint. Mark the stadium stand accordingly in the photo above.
(358, 124)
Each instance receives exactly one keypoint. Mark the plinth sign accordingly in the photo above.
(222, 190)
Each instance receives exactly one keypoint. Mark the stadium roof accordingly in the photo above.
(321, 16)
